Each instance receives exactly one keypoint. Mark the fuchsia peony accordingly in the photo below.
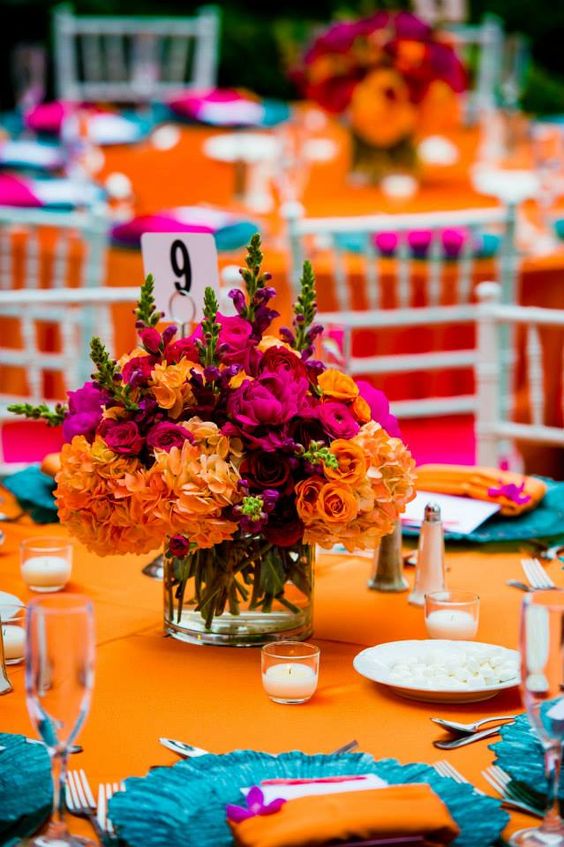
(85, 411)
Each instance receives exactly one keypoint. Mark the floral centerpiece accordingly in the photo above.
(378, 72)
(237, 450)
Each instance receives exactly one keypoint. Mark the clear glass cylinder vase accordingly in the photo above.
(240, 593)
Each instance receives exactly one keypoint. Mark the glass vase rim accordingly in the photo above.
(446, 596)
(310, 651)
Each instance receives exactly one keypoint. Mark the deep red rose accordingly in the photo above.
(138, 369)
(122, 437)
(280, 358)
(284, 528)
(267, 470)
(184, 348)
(179, 546)
(166, 435)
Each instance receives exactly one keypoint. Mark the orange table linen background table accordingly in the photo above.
(147, 686)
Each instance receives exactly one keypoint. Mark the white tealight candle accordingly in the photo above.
(453, 624)
(46, 573)
(14, 643)
(290, 681)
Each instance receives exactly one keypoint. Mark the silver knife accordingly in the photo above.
(186, 751)
(468, 739)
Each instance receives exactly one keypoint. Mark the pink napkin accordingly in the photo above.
(221, 106)
(48, 117)
(15, 191)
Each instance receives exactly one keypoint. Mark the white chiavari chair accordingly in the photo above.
(494, 425)
(322, 238)
(133, 59)
(79, 313)
(441, 11)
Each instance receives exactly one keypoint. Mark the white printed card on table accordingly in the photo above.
(183, 265)
(458, 514)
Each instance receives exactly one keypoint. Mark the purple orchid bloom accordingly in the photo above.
(255, 806)
(510, 491)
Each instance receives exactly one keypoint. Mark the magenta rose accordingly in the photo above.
(270, 400)
(234, 343)
(166, 435)
(280, 358)
(267, 470)
(379, 408)
(337, 419)
(122, 437)
(85, 411)
(178, 546)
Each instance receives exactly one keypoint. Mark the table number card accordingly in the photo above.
(183, 265)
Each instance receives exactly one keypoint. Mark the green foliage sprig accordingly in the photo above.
(53, 417)
(146, 311)
(305, 308)
(107, 375)
(210, 328)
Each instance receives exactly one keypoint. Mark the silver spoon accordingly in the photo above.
(469, 728)
(467, 739)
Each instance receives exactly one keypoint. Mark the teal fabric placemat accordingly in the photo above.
(34, 492)
(25, 787)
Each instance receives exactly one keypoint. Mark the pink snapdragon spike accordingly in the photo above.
(512, 492)
(255, 806)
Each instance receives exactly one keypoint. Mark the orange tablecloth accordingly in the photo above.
(147, 687)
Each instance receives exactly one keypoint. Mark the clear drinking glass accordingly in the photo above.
(59, 679)
(542, 679)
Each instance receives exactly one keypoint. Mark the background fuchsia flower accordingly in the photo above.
(85, 411)
(379, 408)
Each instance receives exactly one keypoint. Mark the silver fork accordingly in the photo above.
(105, 792)
(80, 800)
(445, 768)
(499, 781)
(536, 574)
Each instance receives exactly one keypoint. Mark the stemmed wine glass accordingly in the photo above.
(542, 679)
(59, 679)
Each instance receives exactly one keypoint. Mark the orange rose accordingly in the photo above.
(361, 410)
(352, 463)
(170, 387)
(381, 113)
(334, 383)
(307, 494)
(337, 503)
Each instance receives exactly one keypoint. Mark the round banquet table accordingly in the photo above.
(148, 686)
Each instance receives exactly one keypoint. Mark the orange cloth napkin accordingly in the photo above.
(51, 464)
(396, 811)
(475, 482)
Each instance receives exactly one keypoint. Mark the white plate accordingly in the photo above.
(7, 603)
(374, 663)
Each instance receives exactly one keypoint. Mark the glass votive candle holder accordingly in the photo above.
(46, 563)
(12, 622)
(452, 614)
(290, 671)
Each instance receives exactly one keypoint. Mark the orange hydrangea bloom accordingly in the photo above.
(170, 387)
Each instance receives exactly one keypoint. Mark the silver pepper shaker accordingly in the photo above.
(430, 570)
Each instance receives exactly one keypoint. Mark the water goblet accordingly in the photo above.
(542, 680)
(59, 679)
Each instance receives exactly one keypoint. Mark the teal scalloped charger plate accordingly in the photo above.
(25, 787)
(184, 805)
(546, 521)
